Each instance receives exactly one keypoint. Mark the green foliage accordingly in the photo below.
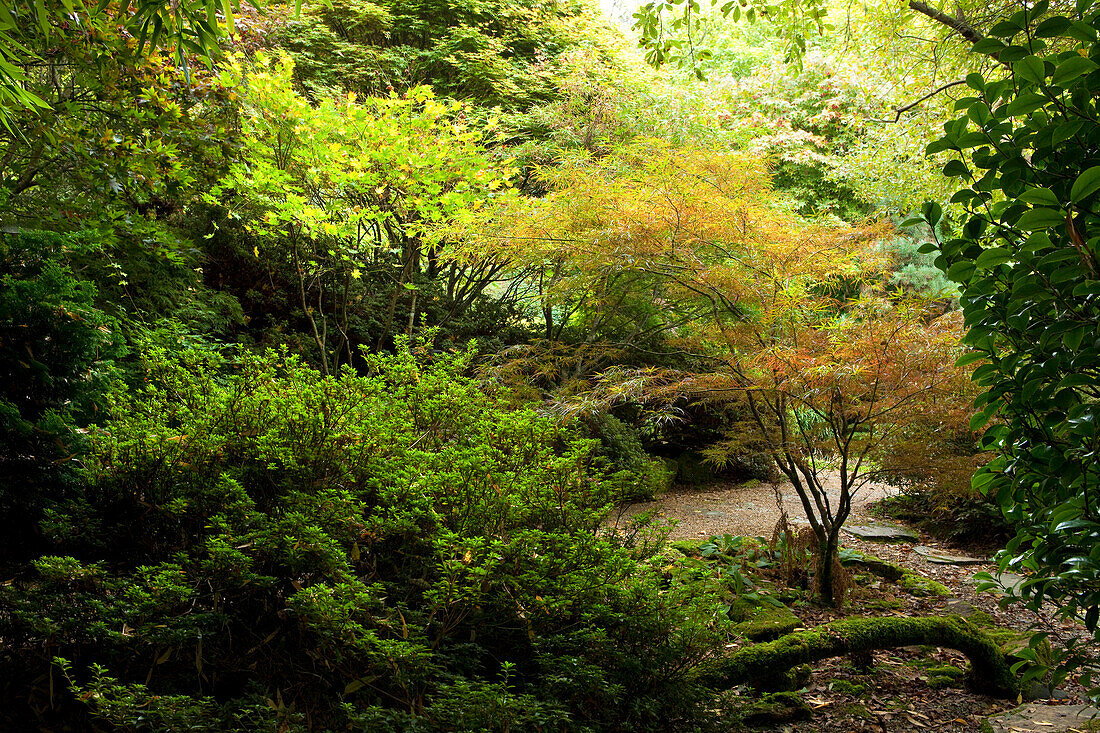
(914, 272)
(621, 449)
(805, 121)
(184, 29)
(56, 352)
(133, 707)
(499, 53)
(669, 29)
(339, 200)
(254, 541)
(118, 156)
(1027, 262)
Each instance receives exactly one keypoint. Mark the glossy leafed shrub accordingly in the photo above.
(1028, 264)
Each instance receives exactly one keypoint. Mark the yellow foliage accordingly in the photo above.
(792, 321)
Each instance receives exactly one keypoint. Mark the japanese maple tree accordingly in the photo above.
(792, 321)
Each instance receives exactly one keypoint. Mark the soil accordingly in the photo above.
(750, 510)
(894, 694)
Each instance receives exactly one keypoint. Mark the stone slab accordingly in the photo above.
(932, 554)
(882, 533)
(1032, 718)
(1010, 581)
(959, 607)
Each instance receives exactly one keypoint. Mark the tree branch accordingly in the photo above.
(958, 25)
(899, 111)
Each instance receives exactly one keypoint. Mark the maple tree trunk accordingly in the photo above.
(827, 554)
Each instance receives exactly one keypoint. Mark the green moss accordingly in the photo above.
(856, 710)
(791, 596)
(685, 547)
(981, 618)
(940, 683)
(918, 585)
(1011, 641)
(945, 675)
(774, 708)
(882, 568)
(845, 687)
(914, 583)
(947, 670)
(767, 665)
(762, 621)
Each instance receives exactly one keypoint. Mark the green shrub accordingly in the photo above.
(56, 355)
(914, 271)
(641, 476)
(258, 547)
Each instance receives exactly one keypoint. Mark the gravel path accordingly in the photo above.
(751, 510)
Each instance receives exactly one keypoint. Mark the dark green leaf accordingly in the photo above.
(1071, 68)
(993, 257)
(1086, 184)
(1052, 27)
(1030, 68)
(1041, 219)
(1040, 197)
(1026, 103)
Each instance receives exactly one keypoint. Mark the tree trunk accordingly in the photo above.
(306, 311)
(828, 561)
(768, 665)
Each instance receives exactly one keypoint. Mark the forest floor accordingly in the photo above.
(900, 692)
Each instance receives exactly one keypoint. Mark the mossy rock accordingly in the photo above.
(690, 548)
(914, 583)
(762, 621)
(918, 585)
(882, 568)
(776, 708)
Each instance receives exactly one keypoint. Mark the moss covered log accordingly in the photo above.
(914, 584)
(768, 665)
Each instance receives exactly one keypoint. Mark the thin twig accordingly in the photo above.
(899, 111)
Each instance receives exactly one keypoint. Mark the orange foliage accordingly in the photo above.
(793, 319)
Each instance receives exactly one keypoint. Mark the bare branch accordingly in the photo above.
(958, 25)
(899, 111)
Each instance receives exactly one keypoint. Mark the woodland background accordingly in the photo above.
(330, 335)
